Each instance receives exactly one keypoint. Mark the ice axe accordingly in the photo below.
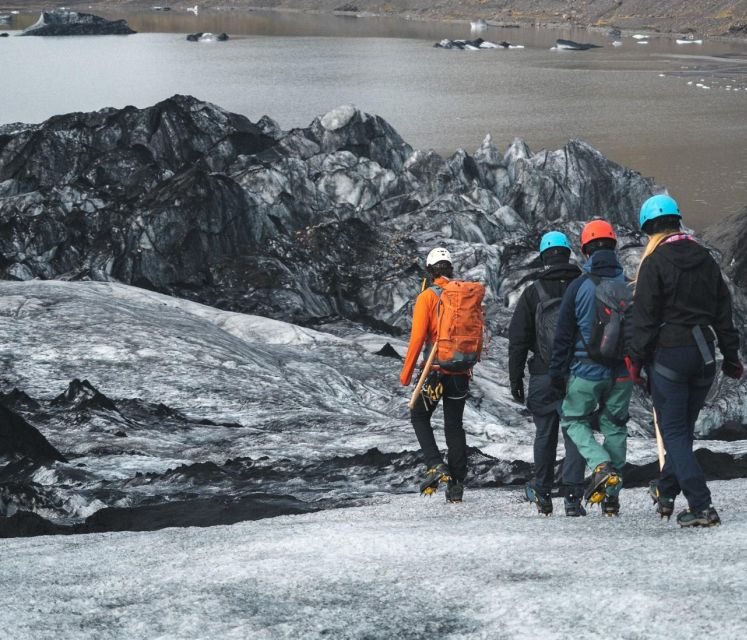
(423, 376)
(665, 513)
(659, 441)
(643, 383)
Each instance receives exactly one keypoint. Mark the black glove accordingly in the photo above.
(733, 369)
(558, 387)
(517, 390)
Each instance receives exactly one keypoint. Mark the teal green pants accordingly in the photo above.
(582, 399)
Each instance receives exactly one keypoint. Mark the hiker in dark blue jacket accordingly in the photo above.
(594, 388)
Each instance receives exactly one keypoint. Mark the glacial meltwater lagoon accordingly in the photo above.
(639, 104)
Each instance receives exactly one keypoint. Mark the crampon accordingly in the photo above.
(542, 501)
(664, 505)
(604, 477)
(433, 478)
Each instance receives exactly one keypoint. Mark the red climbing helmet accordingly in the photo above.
(596, 230)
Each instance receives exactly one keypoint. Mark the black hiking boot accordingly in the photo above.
(604, 476)
(611, 506)
(541, 499)
(433, 477)
(573, 506)
(664, 504)
(454, 491)
(705, 518)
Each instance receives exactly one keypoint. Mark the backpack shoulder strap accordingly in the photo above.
(438, 291)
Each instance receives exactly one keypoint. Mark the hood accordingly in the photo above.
(684, 254)
(562, 271)
(604, 263)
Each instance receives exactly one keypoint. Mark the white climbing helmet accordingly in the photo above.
(439, 254)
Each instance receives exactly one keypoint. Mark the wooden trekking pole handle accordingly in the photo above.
(659, 441)
(423, 376)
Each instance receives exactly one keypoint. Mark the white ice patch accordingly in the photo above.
(268, 331)
(79, 508)
(338, 117)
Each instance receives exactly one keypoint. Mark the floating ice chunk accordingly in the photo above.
(617, 43)
(661, 75)
(639, 36)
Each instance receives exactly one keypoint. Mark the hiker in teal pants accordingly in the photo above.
(583, 397)
(593, 330)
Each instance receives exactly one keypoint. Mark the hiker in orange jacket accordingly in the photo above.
(454, 387)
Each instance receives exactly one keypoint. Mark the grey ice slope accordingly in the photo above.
(197, 386)
(188, 388)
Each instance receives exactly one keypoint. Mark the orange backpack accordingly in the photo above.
(460, 324)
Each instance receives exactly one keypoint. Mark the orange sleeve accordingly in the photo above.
(421, 315)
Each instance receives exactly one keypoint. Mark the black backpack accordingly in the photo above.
(613, 323)
(545, 322)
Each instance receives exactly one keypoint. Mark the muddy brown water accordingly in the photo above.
(640, 104)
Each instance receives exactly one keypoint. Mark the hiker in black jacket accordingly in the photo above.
(681, 306)
(524, 335)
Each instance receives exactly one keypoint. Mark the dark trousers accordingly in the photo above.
(677, 406)
(541, 402)
(456, 390)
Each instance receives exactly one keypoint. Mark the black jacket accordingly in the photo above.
(521, 332)
(679, 286)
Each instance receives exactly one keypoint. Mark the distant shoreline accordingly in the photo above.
(453, 11)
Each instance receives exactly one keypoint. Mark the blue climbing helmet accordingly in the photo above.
(554, 239)
(658, 206)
